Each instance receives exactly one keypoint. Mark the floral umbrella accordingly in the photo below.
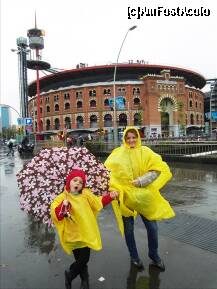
(43, 178)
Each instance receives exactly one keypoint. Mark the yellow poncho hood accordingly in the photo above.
(81, 230)
(127, 164)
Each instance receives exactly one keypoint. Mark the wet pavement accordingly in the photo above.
(31, 257)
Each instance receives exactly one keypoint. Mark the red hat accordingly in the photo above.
(75, 173)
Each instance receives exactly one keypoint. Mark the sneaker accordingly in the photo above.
(158, 264)
(137, 263)
(67, 280)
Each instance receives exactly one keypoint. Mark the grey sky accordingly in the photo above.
(92, 32)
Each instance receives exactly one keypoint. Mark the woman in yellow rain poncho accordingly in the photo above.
(74, 213)
(127, 164)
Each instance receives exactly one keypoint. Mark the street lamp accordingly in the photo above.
(114, 94)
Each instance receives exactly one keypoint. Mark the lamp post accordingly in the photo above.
(114, 94)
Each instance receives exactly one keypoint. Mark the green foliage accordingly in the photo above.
(9, 132)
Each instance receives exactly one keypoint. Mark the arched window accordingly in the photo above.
(107, 91)
(67, 105)
(190, 103)
(93, 121)
(79, 121)
(92, 103)
(40, 109)
(197, 118)
(106, 102)
(47, 124)
(48, 108)
(79, 104)
(36, 126)
(136, 90)
(78, 94)
(136, 101)
(92, 92)
(107, 120)
(56, 108)
(196, 104)
(137, 119)
(56, 123)
(122, 119)
(192, 119)
(68, 122)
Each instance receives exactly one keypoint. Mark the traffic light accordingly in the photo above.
(20, 130)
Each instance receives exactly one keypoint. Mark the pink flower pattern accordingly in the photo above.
(43, 178)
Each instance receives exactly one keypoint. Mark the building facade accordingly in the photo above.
(210, 106)
(5, 116)
(162, 100)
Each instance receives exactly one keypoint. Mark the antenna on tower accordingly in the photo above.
(35, 20)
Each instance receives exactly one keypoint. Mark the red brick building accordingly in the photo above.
(162, 100)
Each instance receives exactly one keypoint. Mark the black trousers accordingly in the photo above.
(82, 257)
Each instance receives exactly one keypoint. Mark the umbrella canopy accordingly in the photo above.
(43, 178)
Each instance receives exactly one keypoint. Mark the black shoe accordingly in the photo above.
(137, 263)
(68, 280)
(158, 264)
(84, 278)
(85, 284)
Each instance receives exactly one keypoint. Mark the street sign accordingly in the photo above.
(28, 128)
(28, 121)
(20, 121)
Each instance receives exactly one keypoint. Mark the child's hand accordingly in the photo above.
(114, 194)
(65, 203)
(136, 183)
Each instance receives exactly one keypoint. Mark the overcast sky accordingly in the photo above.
(92, 32)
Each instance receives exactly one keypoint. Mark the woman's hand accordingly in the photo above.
(136, 183)
(114, 194)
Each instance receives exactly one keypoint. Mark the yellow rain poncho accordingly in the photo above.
(81, 230)
(127, 164)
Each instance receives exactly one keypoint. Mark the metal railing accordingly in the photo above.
(163, 148)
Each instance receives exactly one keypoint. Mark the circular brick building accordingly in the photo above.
(161, 100)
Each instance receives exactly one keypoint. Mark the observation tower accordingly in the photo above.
(36, 44)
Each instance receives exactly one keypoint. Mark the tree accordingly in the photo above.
(9, 132)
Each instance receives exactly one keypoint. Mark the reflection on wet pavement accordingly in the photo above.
(137, 280)
(38, 237)
(193, 188)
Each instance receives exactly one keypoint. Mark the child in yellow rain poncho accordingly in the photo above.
(127, 165)
(74, 214)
